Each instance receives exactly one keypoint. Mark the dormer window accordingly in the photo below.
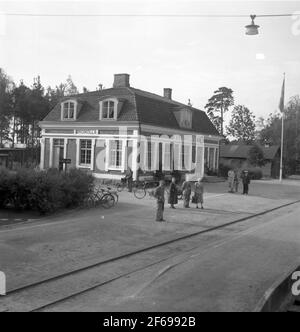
(68, 110)
(184, 118)
(109, 109)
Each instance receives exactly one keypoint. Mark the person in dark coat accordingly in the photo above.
(173, 194)
(187, 191)
(129, 179)
(159, 194)
(246, 182)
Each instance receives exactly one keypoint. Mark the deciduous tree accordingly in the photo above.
(271, 134)
(6, 87)
(242, 124)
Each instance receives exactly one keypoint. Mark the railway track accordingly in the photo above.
(76, 272)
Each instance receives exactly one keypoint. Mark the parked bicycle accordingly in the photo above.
(138, 188)
(112, 191)
(143, 188)
(100, 197)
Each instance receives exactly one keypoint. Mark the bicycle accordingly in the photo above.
(112, 192)
(142, 188)
(138, 188)
(100, 197)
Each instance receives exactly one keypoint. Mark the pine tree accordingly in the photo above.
(218, 105)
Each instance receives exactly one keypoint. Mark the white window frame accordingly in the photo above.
(121, 149)
(188, 160)
(167, 156)
(177, 157)
(75, 110)
(109, 100)
(87, 149)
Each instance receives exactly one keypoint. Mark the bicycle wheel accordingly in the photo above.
(107, 201)
(139, 192)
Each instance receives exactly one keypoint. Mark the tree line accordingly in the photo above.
(22, 107)
(244, 128)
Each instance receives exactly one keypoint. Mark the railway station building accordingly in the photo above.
(107, 131)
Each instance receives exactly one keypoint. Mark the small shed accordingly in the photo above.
(236, 156)
(12, 158)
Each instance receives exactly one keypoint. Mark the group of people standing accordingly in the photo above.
(174, 191)
(234, 181)
(187, 188)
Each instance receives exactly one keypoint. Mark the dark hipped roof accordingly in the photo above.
(242, 151)
(89, 106)
(138, 105)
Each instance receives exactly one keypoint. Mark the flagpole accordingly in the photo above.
(282, 145)
(282, 131)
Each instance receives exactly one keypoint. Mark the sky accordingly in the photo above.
(192, 55)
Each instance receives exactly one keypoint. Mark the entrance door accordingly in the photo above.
(58, 153)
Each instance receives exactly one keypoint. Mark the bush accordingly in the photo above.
(5, 184)
(44, 191)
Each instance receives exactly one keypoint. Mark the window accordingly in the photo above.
(85, 152)
(186, 157)
(150, 154)
(115, 154)
(186, 119)
(167, 157)
(193, 154)
(216, 158)
(68, 112)
(211, 158)
(206, 156)
(58, 142)
(108, 110)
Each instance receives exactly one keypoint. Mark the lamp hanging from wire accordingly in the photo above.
(252, 29)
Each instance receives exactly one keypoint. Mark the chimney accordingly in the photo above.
(168, 93)
(121, 81)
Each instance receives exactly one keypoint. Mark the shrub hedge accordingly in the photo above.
(44, 191)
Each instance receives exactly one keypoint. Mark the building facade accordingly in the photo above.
(108, 131)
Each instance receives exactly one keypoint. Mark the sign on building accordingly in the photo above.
(87, 132)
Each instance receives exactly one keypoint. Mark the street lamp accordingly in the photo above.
(252, 29)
